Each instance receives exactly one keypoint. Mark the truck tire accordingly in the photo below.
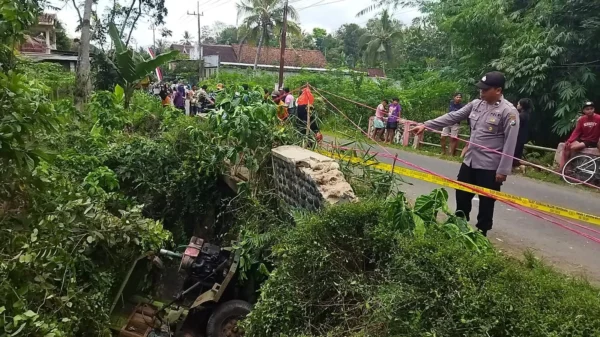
(223, 321)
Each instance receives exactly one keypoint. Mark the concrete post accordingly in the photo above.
(47, 41)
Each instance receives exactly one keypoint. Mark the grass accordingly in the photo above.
(433, 151)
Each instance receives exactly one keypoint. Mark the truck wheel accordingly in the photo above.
(224, 319)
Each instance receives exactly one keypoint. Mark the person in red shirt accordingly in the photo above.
(586, 133)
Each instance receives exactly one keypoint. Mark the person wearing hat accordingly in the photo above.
(494, 124)
(585, 135)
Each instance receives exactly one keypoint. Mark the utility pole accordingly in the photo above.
(153, 27)
(200, 48)
(283, 43)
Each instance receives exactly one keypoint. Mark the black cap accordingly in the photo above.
(588, 103)
(494, 79)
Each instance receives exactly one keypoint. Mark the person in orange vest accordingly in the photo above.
(306, 100)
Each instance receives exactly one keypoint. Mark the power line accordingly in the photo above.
(181, 17)
(394, 14)
(210, 3)
(219, 5)
(204, 3)
(317, 5)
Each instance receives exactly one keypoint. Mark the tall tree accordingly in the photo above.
(162, 46)
(228, 35)
(83, 85)
(349, 34)
(187, 38)
(319, 35)
(546, 48)
(379, 40)
(63, 42)
(263, 19)
(127, 17)
(304, 40)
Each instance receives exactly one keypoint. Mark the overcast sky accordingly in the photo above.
(328, 14)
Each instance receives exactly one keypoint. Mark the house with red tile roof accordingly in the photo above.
(300, 58)
(376, 72)
(244, 56)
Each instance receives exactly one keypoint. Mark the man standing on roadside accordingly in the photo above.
(495, 125)
(455, 104)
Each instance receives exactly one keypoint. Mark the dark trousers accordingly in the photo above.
(482, 178)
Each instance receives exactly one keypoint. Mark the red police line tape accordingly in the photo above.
(379, 154)
(481, 192)
(468, 142)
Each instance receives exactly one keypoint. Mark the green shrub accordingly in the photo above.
(352, 271)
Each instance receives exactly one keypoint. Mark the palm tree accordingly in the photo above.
(377, 43)
(186, 41)
(263, 19)
(376, 4)
(161, 46)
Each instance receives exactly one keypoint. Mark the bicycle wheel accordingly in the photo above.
(579, 170)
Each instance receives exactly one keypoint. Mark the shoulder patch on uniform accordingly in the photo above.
(512, 117)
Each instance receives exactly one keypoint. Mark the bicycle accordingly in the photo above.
(583, 168)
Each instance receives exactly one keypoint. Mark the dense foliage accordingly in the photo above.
(421, 100)
(545, 47)
(358, 270)
(133, 68)
(66, 232)
(84, 193)
(73, 216)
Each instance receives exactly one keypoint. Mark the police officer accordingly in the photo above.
(495, 125)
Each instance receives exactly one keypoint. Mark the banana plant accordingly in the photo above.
(133, 68)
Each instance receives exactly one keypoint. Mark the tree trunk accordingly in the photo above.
(83, 86)
(260, 42)
(112, 20)
(134, 23)
(128, 93)
(126, 18)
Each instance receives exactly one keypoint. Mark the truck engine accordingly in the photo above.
(203, 263)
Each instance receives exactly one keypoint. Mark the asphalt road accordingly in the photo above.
(514, 231)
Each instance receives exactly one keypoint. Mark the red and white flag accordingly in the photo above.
(158, 71)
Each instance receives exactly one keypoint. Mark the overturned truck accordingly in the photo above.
(199, 291)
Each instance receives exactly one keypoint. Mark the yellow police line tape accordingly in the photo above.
(501, 196)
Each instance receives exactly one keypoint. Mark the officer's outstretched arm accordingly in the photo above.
(450, 118)
(511, 134)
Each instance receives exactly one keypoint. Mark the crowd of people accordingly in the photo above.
(585, 135)
(297, 108)
(193, 100)
(189, 99)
